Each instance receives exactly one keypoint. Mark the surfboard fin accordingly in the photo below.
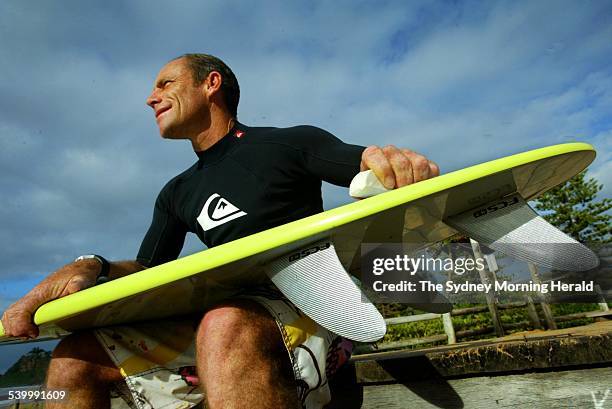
(315, 281)
(510, 226)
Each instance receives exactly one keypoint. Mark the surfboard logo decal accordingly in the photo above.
(217, 211)
(309, 251)
(501, 204)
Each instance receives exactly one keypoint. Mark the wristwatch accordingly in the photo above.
(103, 275)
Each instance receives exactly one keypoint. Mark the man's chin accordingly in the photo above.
(168, 134)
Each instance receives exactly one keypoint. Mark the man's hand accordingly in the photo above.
(17, 319)
(396, 167)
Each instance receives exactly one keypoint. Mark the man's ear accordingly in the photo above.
(212, 84)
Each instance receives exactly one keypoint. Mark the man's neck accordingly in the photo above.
(220, 125)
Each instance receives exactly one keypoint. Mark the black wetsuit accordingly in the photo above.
(251, 180)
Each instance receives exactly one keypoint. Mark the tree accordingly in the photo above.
(572, 208)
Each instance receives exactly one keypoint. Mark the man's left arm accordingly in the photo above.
(337, 162)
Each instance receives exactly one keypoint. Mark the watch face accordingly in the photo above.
(88, 257)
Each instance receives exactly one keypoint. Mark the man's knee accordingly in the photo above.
(240, 324)
(80, 356)
(240, 352)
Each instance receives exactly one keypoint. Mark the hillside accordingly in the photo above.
(30, 369)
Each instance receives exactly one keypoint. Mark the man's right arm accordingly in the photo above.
(163, 242)
(17, 319)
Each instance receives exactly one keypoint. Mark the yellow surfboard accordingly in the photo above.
(416, 213)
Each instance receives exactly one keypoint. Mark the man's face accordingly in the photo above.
(181, 107)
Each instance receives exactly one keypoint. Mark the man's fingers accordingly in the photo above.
(401, 165)
(374, 158)
(31, 330)
(19, 323)
(398, 167)
(434, 169)
(420, 165)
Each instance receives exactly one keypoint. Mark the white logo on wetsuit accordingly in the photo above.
(223, 211)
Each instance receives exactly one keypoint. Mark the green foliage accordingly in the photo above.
(419, 329)
(30, 369)
(572, 208)
(476, 321)
(573, 308)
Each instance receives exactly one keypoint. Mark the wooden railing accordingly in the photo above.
(451, 336)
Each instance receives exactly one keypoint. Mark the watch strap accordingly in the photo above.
(102, 276)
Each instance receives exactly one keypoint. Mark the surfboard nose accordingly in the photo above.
(315, 281)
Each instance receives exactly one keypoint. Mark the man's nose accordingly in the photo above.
(153, 99)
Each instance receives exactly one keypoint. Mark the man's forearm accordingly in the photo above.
(79, 275)
(120, 269)
(73, 277)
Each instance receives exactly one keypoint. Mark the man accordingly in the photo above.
(249, 351)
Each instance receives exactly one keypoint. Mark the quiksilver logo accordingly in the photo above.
(217, 211)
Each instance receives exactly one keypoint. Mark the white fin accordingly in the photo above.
(510, 226)
(314, 280)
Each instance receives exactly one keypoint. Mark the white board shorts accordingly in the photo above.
(157, 360)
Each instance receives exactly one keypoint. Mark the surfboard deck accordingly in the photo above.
(412, 214)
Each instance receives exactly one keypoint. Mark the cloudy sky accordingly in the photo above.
(463, 82)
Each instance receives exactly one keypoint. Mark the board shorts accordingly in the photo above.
(157, 360)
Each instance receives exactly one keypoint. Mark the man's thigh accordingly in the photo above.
(241, 357)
